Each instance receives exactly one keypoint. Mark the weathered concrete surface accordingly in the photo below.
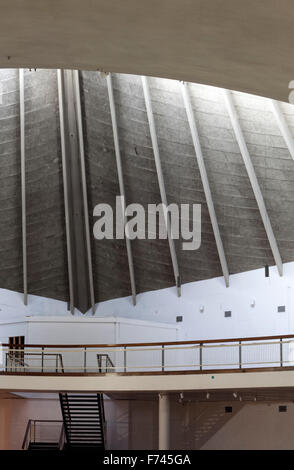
(109, 256)
(245, 242)
(242, 231)
(10, 190)
(46, 248)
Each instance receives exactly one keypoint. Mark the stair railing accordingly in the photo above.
(33, 429)
(61, 362)
(61, 441)
(14, 363)
(27, 436)
(104, 423)
(109, 366)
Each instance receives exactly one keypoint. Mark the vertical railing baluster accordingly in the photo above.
(162, 358)
(125, 358)
(42, 359)
(200, 356)
(281, 352)
(240, 355)
(85, 360)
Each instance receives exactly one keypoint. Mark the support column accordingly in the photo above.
(163, 421)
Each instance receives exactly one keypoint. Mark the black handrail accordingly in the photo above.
(61, 362)
(61, 438)
(109, 364)
(32, 423)
(28, 428)
(102, 413)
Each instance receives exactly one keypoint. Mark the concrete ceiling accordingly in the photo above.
(235, 44)
(245, 241)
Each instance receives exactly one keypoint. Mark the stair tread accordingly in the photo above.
(43, 446)
(83, 420)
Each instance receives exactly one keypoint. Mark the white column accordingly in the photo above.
(163, 422)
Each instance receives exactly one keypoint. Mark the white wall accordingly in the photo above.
(109, 330)
(124, 420)
(69, 330)
(164, 305)
(256, 427)
(15, 328)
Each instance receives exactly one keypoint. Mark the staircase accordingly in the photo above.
(83, 418)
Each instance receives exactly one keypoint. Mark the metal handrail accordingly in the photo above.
(61, 438)
(61, 363)
(32, 425)
(104, 423)
(109, 363)
(12, 357)
(41, 354)
(28, 428)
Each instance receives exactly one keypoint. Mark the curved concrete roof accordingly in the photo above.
(235, 44)
(241, 228)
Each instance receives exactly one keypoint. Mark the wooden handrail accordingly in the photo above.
(162, 343)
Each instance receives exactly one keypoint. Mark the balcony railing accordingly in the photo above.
(163, 357)
(43, 360)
